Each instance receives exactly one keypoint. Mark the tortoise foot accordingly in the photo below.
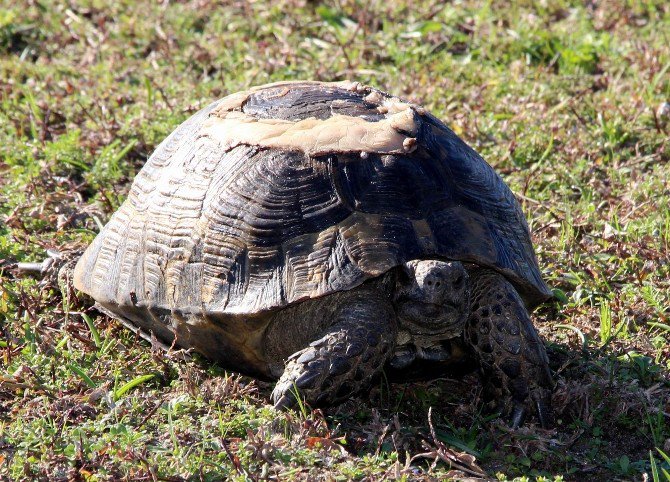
(344, 360)
(513, 360)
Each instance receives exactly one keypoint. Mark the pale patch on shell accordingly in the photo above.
(409, 144)
(358, 87)
(390, 105)
(374, 97)
(339, 133)
(393, 105)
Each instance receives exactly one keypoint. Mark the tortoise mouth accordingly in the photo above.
(431, 310)
(431, 317)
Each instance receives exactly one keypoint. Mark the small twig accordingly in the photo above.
(150, 414)
(448, 456)
(582, 121)
(152, 470)
(381, 439)
(233, 460)
(439, 6)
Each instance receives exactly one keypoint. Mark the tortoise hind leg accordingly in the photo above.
(512, 357)
(345, 358)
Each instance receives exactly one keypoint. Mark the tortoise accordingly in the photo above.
(320, 233)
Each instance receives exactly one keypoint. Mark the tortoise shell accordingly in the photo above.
(296, 190)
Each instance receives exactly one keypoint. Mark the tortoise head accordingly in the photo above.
(432, 299)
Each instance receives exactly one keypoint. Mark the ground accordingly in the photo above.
(565, 99)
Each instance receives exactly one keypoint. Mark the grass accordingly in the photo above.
(561, 97)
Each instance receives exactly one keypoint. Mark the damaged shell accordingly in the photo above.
(296, 190)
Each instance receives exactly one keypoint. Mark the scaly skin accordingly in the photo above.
(512, 358)
(347, 355)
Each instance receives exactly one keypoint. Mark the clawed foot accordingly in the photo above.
(328, 371)
(43, 268)
(55, 271)
(541, 405)
(513, 361)
(344, 360)
(303, 377)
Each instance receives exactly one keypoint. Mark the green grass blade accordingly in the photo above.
(118, 393)
(605, 322)
(661, 326)
(580, 334)
(77, 370)
(94, 331)
(150, 91)
(455, 442)
(654, 468)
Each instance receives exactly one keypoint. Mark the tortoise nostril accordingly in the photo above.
(429, 283)
(458, 281)
(437, 284)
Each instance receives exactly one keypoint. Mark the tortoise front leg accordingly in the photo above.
(512, 357)
(347, 355)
